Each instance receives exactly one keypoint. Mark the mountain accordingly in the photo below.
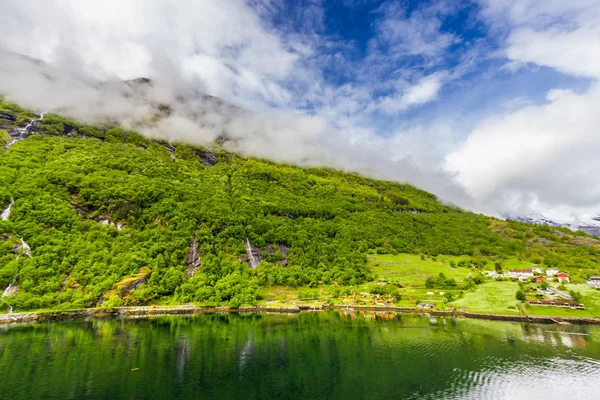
(588, 224)
(99, 215)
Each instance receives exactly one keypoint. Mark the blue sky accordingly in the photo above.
(491, 104)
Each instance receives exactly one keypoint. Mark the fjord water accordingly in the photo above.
(306, 356)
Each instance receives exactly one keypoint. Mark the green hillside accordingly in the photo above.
(114, 218)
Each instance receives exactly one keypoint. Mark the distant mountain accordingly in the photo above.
(588, 224)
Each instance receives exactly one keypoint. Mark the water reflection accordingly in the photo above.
(345, 355)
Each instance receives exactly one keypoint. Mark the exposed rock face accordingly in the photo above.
(171, 148)
(129, 283)
(206, 157)
(10, 290)
(193, 259)
(7, 118)
(23, 132)
(254, 255)
(108, 222)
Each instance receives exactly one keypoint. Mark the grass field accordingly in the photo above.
(513, 263)
(590, 297)
(556, 312)
(492, 297)
(411, 270)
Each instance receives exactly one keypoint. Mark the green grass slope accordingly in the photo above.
(100, 206)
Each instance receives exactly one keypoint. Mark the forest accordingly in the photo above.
(114, 218)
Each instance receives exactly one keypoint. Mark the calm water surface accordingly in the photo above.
(307, 356)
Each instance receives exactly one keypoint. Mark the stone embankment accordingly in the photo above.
(190, 309)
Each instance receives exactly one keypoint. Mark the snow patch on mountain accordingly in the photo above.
(586, 223)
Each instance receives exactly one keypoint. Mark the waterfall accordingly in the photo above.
(7, 291)
(10, 285)
(251, 258)
(26, 247)
(21, 133)
(6, 213)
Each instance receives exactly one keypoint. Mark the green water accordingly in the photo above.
(306, 356)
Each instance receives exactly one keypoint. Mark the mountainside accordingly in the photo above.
(98, 215)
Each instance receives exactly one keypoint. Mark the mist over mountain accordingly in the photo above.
(489, 104)
(175, 112)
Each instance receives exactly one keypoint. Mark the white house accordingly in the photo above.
(551, 272)
(594, 281)
(520, 273)
(491, 274)
(537, 270)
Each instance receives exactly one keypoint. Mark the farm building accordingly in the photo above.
(594, 281)
(520, 273)
(551, 271)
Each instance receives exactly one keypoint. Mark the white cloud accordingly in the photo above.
(222, 43)
(424, 91)
(521, 156)
(541, 156)
(563, 35)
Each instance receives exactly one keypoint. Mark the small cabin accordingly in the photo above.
(562, 277)
(594, 281)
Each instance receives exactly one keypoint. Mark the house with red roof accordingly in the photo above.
(562, 277)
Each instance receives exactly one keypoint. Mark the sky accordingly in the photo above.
(489, 104)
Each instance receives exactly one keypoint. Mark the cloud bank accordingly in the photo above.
(541, 156)
(489, 104)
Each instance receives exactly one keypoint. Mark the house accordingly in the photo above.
(540, 279)
(522, 274)
(594, 281)
(491, 274)
(562, 277)
(551, 272)
(537, 270)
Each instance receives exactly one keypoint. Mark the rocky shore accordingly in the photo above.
(190, 309)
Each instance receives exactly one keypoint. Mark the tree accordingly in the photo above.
(576, 296)
(521, 295)
(498, 267)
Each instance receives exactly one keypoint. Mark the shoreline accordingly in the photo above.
(190, 310)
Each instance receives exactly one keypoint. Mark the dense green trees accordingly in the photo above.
(98, 203)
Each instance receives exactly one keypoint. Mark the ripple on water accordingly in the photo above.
(548, 379)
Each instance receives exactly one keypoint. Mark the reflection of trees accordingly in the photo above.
(268, 356)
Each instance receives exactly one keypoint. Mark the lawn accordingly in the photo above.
(556, 312)
(513, 263)
(590, 297)
(411, 270)
(491, 297)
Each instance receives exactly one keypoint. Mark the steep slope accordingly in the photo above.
(111, 216)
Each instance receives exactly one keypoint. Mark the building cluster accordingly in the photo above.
(556, 303)
(529, 273)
